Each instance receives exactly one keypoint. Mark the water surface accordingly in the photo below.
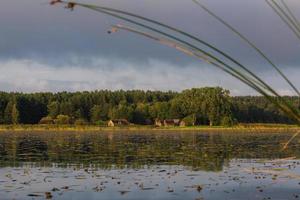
(148, 165)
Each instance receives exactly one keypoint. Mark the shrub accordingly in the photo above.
(80, 122)
(227, 121)
(62, 119)
(101, 123)
(46, 120)
(189, 120)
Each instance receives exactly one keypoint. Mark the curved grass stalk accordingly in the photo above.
(103, 10)
(185, 49)
(290, 140)
(286, 15)
(285, 20)
(251, 44)
(297, 22)
(246, 76)
(189, 51)
(175, 38)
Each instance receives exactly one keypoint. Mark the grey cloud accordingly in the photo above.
(31, 29)
(40, 45)
(31, 76)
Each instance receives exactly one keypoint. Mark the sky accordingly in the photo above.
(49, 48)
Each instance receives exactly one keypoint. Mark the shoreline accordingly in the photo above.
(94, 128)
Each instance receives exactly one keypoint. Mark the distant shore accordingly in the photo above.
(237, 128)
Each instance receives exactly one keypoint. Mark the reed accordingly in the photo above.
(194, 46)
(247, 41)
(289, 11)
(286, 15)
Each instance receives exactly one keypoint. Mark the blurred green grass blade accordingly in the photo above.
(245, 76)
(284, 19)
(251, 44)
(291, 13)
(189, 52)
(286, 15)
(287, 106)
(97, 8)
(102, 9)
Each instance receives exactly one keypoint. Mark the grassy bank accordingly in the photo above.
(241, 127)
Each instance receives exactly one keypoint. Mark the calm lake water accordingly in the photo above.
(148, 165)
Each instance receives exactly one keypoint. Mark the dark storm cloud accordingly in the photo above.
(55, 37)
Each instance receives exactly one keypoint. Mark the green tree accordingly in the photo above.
(177, 109)
(66, 108)
(62, 119)
(11, 113)
(98, 113)
(53, 109)
(3, 103)
(15, 114)
(8, 112)
(80, 122)
(206, 103)
(209, 105)
(190, 120)
(141, 114)
(122, 112)
(160, 110)
(227, 121)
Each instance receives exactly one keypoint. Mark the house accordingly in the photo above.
(171, 122)
(46, 120)
(158, 123)
(182, 123)
(118, 122)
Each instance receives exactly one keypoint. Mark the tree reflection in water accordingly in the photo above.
(31, 149)
(201, 151)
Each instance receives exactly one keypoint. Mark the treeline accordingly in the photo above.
(202, 106)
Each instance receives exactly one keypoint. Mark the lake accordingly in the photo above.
(148, 165)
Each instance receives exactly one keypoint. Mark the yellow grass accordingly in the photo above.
(238, 128)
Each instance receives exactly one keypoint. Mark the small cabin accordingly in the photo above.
(172, 122)
(118, 122)
(46, 120)
(158, 123)
(182, 123)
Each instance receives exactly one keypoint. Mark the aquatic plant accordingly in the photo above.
(193, 46)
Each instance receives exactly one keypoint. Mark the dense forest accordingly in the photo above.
(198, 106)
